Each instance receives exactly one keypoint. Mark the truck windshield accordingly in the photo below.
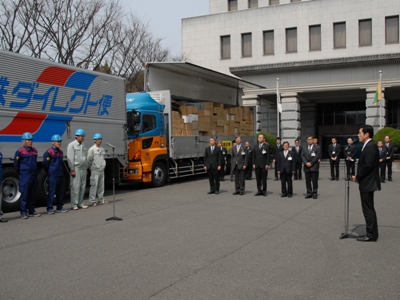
(148, 122)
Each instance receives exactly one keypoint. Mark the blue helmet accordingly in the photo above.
(27, 136)
(79, 131)
(56, 138)
(97, 136)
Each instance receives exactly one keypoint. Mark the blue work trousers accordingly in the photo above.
(28, 189)
(55, 185)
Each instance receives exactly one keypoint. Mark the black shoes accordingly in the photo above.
(265, 194)
(308, 196)
(216, 192)
(259, 193)
(314, 196)
(332, 179)
(365, 238)
(236, 193)
(241, 193)
(283, 195)
(210, 192)
(3, 220)
(390, 179)
(290, 195)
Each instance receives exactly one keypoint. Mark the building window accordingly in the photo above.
(269, 42)
(273, 2)
(232, 5)
(315, 37)
(392, 30)
(339, 35)
(253, 3)
(246, 45)
(365, 32)
(291, 40)
(226, 47)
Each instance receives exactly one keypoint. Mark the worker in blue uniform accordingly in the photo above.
(54, 167)
(1, 189)
(25, 163)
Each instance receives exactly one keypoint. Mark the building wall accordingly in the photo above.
(201, 35)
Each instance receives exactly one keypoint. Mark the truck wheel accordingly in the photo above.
(42, 190)
(159, 174)
(10, 190)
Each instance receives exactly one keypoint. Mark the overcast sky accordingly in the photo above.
(164, 17)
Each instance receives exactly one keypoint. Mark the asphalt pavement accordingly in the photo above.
(177, 242)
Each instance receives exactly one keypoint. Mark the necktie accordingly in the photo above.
(212, 149)
(285, 153)
(309, 148)
(237, 148)
(334, 146)
(387, 145)
(380, 151)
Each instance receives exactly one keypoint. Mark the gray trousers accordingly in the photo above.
(78, 185)
(96, 185)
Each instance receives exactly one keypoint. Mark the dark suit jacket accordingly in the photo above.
(212, 160)
(260, 159)
(313, 156)
(368, 168)
(276, 151)
(238, 157)
(350, 151)
(250, 153)
(390, 150)
(337, 150)
(224, 153)
(382, 155)
(297, 154)
(287, 164)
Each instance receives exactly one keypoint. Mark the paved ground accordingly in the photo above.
(176, 242)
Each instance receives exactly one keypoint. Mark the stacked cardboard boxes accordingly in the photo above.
(212, 119)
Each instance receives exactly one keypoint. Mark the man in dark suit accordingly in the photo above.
(212, 164)
(286, 169)
(261, 164)
(238, 165)
(368, 179)
(224, 153)
(334, 150)
(310, 156)
(350, 153)
(297, 150)
(249, 167)
(277, 148)
(389, 156)
(382, 160)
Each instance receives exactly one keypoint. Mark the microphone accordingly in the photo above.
(108, 144)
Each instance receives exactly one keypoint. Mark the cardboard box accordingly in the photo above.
(204, 126)
(204, 113)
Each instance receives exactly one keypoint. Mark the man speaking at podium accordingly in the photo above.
(368, 179)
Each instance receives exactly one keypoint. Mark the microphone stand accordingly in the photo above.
(346, 233)
(113, 217)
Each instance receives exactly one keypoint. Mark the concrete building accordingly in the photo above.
(327, 55)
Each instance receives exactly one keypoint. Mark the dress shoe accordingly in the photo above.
(241, 193)
(210, 192)
(332, 179)
(383, 181)
(314, 196)
(337, 179)
(308, 196)
(290, 195)
(3, 220)
(236, 193)
(259, 193)
(390, 179)
(216, 192)
(300, 178)
(365, 238)
(283, 195)
(265, 194)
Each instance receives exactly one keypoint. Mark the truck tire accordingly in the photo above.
(10, 190)
(42, 190)
(159, 174)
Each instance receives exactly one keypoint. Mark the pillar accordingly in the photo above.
(290, 117)
(375, 114)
